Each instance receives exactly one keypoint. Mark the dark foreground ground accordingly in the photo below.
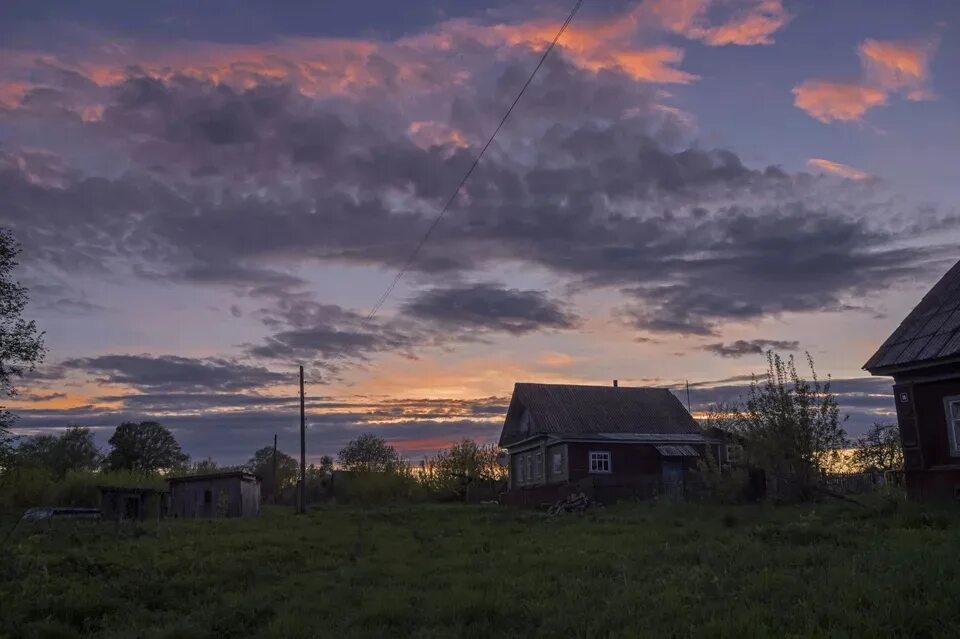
(481, 571)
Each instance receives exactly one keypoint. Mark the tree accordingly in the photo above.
(454, 468)
(791, 425)
(880, 448)
(326, 465)
(262, 464)
(21, 345)
(146, 446)
(369, 453)
(74, 449)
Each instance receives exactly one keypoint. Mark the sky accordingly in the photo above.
(209, 195)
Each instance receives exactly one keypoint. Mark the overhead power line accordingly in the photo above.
(466, 176)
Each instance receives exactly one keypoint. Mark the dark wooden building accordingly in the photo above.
(607, 441)
(226, 494)
(121, 503)
(923, 357)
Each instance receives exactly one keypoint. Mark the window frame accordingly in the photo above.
(556, 463)
(600, 454)
(520, 476)
(738, 457)
(953, 423)
(537, 465)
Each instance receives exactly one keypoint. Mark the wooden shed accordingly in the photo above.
(121, 503)
(923, 357)
(226, 494)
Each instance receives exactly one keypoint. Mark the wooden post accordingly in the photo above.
(275, 488)
(302, 496)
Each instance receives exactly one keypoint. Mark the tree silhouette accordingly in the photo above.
(21, 344)
(146, 446)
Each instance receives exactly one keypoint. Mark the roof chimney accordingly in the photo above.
(614, 383)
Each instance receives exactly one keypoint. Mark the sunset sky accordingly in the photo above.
(209, 194)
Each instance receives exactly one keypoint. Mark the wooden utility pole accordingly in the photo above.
(276, 489)
(688, 395)
(302, 496)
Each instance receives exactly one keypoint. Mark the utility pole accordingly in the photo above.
(276, 489)
(688, 394)
(302, 496)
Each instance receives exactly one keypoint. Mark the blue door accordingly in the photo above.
(671, 475)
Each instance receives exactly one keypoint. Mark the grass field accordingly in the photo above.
(472, 571)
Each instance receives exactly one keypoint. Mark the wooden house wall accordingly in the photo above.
(931, 472)
(229, 497)
(627, 460)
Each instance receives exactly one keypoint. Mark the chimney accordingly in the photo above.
(614, 383)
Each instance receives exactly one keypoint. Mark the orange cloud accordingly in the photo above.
(837, 101)
(899, 66)
(836, 168)
(749, 22)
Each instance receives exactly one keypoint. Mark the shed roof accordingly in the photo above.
(571, 409)
(928, 335)
(241, 474)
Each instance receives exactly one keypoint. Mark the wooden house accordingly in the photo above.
(923, 357)
(607, 441)
(224, 494)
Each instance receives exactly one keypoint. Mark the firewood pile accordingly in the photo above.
(574, 503)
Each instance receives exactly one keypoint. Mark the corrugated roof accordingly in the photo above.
(929, 333)
(569, 409)
(677, 451)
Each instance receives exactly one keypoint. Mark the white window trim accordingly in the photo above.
(609, 462)
(951, 424)
(556, 462)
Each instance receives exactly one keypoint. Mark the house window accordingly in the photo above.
(520, 477)
(599, 461)
(557, 462)
(529, 469)
(952, 406)
(734, 453)
(538, 465)
(208, 496)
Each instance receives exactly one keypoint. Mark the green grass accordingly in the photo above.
(471, 571)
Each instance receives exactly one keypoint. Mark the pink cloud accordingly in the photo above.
(837, 101)
(836, 168)
(899, 66)
(746, 23)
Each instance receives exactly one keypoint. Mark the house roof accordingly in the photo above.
(569, 409)
(928, 335)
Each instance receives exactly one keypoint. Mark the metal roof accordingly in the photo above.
(569, 409)
(931, 332)
(241, 474)
(677, 451)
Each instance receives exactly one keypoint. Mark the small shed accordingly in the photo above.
(120, 503)
(226, 494)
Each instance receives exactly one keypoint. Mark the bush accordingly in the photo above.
(22, 488)
(372, 487)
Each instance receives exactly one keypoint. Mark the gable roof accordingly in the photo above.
(570, 409)
(929, 334)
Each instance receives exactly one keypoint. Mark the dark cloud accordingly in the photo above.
(418, 427)
(743, 347)
(490, 307)
(591, 181)
(171, 373)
